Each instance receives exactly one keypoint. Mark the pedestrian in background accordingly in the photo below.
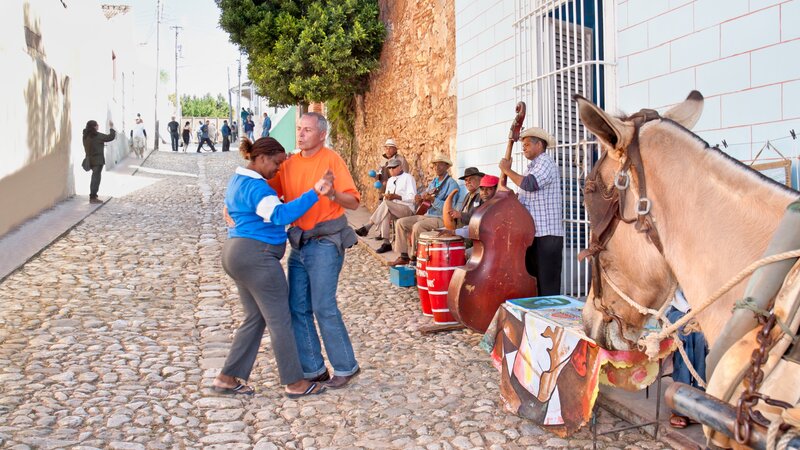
(234, 131)
(204, 137)
(173, 126)
(252, 257)
(243, 115)
(187, 134)
(212, 131)
(266, 125)
(249, 127)
(94, 146)
(226, 136)
(139, 138)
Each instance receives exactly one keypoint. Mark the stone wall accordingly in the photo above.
(412, 96)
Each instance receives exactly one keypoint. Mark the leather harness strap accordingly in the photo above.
(605, 205)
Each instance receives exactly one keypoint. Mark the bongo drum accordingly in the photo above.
(422, 275)
(445, 253)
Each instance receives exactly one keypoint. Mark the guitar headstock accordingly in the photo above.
(516, 125)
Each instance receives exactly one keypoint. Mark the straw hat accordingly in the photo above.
(441, 157)
(538, 133)
(390, 143)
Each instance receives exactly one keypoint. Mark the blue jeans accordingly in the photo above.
(313, 278)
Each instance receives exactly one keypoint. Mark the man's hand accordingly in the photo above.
(328, 176)
(392, 197)
(110, 124)
(228, 219)
(417, 198)
(504, 165)
(455, 214)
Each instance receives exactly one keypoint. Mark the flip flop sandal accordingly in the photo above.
(310, 391)
(239, 389)
(678, 421)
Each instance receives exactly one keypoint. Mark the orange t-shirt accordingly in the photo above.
(298, 174)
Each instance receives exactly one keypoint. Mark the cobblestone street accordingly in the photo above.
(111, 336)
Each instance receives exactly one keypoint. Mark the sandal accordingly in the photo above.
(678, 421)
(313, 389)
(239, 389)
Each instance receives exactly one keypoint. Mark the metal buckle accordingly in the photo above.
(622, 180)
(643, 207)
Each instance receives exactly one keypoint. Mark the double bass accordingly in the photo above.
(501, 230)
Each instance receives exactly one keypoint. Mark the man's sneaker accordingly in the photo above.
(95, 200)
(361, 231)
(400, 261)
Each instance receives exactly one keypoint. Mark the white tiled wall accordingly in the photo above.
(741, 54)
(485, 73)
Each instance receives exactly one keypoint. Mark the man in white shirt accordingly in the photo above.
(398, 202)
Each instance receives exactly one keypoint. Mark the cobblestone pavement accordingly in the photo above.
(110, 339)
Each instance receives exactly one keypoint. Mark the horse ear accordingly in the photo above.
(611, 131)
(688, 112)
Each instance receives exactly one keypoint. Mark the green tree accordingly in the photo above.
(305, 51)
(205, 106)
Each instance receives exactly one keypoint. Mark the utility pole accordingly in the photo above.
(177, 98)
(230, 101)
(239, 90)
(158, 70)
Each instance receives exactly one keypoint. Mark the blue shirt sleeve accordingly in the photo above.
(286, 213)
(449, 186)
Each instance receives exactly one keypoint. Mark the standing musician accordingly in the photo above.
(540, 193)
(435, 195)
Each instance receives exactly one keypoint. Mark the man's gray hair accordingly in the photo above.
(322, 122)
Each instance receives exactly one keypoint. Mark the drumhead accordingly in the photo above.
(433, 236)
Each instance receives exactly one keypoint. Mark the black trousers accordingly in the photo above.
(543, 260)
(210, 144)
(174, 137)
(226, 143)
(94, 186)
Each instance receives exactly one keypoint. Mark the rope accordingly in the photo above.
(686, 360)
(748, 304)
(651, 341)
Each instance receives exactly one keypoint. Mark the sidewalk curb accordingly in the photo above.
(36, 235)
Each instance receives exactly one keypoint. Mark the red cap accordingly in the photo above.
(489, 181)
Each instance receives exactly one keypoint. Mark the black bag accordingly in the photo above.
(85, 164)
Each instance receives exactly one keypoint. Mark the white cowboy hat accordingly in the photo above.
(538, 133)
(390, 143)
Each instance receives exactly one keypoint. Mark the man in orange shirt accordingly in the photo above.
(319, 239)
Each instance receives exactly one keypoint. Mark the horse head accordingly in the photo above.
(626, 247)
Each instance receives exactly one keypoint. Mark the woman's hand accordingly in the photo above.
(455, 214)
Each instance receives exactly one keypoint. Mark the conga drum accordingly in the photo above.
(445, 253)
(422, 275)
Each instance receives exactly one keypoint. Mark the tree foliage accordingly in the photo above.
(304, 51)
(205, 106)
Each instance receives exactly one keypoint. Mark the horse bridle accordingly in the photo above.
(605, 208)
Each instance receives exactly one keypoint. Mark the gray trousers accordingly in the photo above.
(255, 266)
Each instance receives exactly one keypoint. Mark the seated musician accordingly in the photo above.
(433, 199)
(488, 187)
(389, 154)
(398, 202)
(472, 179)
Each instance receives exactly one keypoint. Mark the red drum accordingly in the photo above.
(422, 275)
(445, 253)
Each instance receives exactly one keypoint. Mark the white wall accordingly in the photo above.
(485, 76)
(742, 55)
(47, 97)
